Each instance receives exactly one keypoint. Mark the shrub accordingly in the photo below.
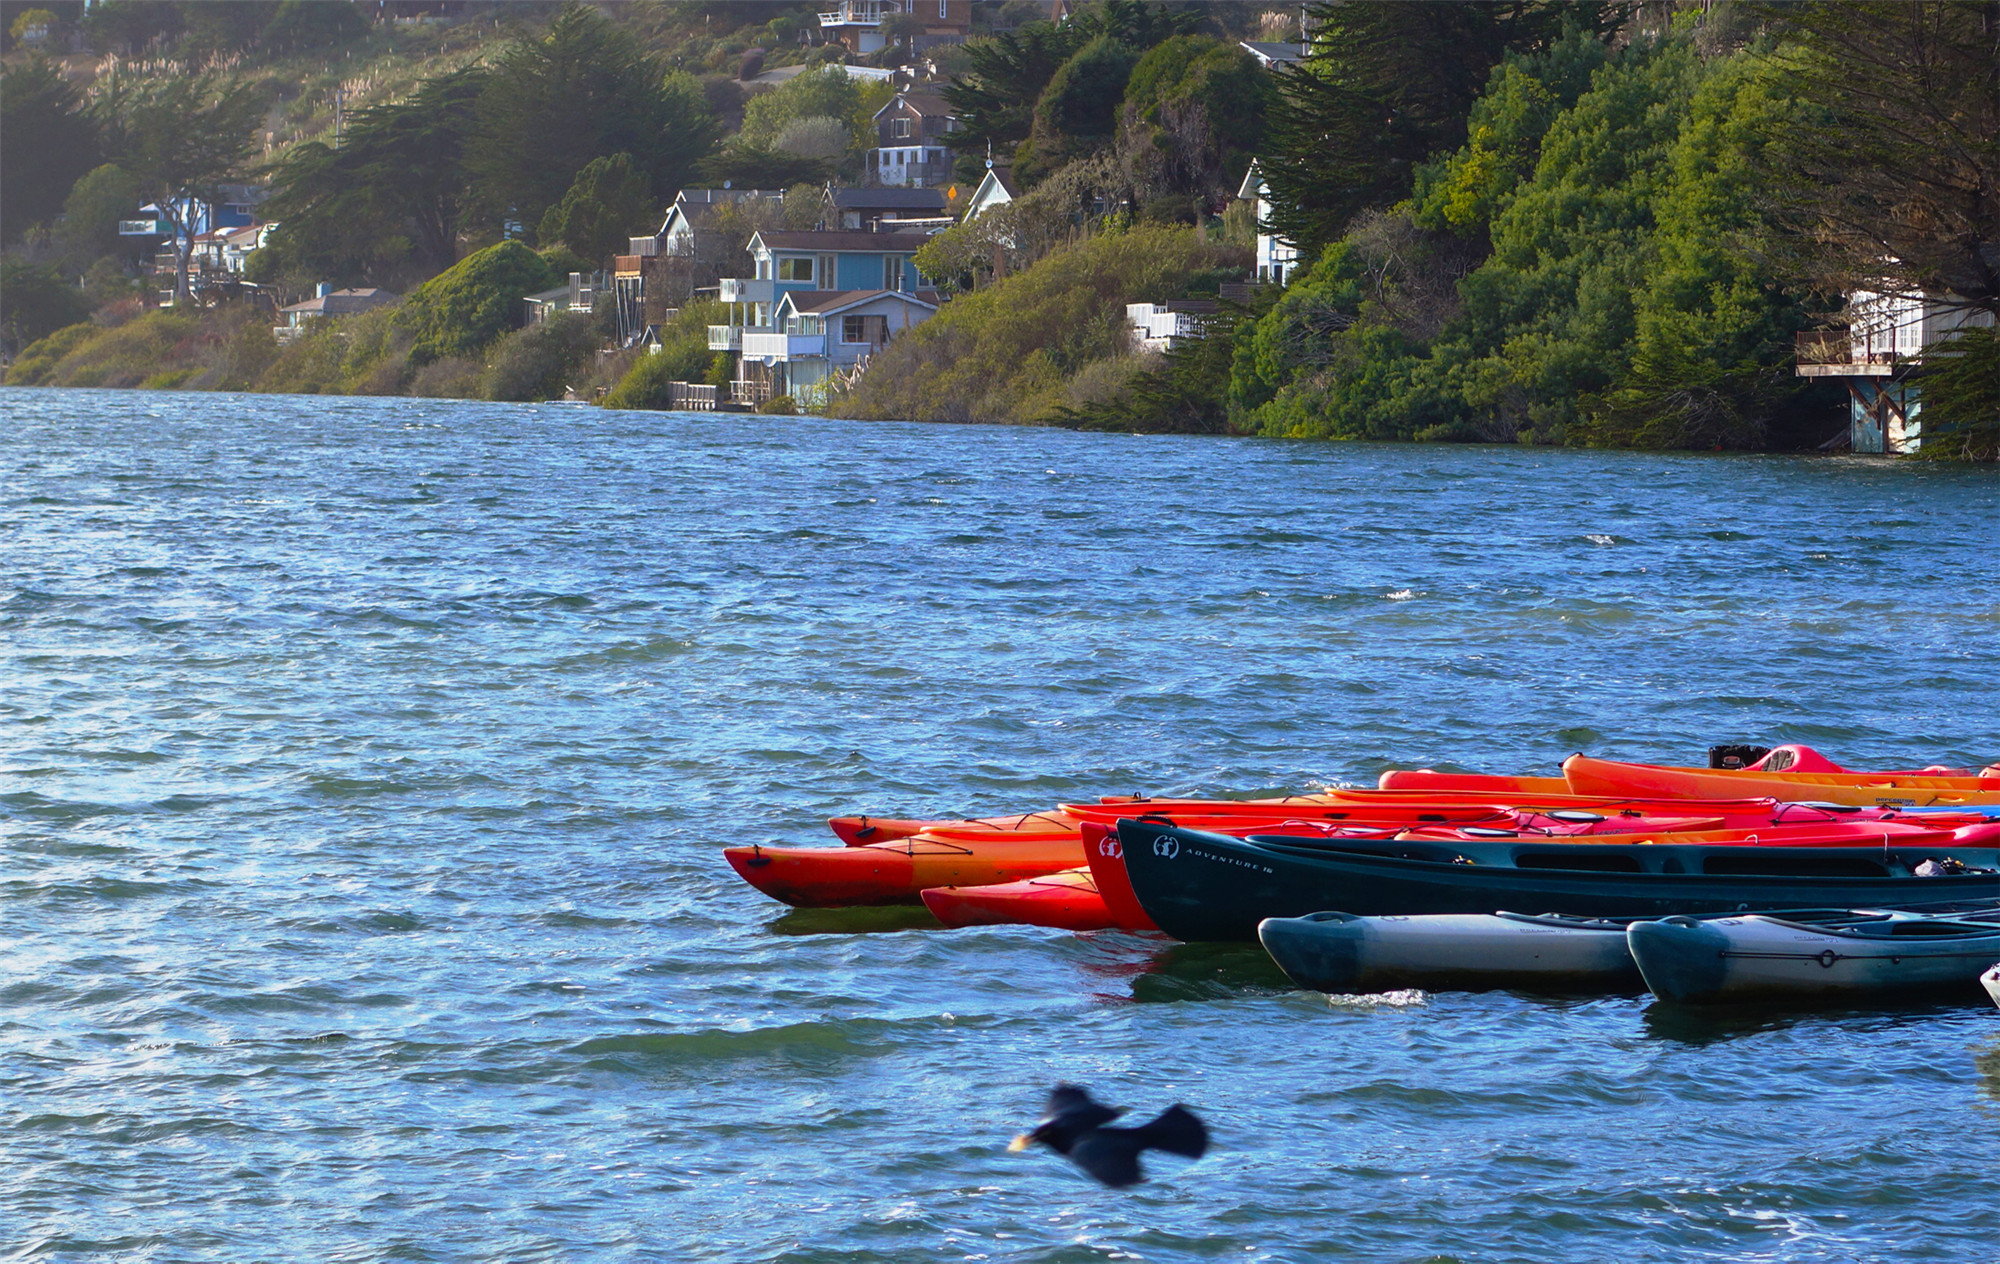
(537, 362)
(167, 379)
(459, 311)
(131, 353)
(779, 405)
(39, 360)
(1006, 353)
(683, 356)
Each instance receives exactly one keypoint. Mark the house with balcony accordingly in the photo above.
(786, 262)
(662, 270)
(910, 136)
(858, 24)
(1277, 258)
(1158, 326)
(885, 210)
(1880, 359)
(818, 337)
(579, 294)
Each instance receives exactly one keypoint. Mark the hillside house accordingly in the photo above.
(858, 23)
(885, 209)
(996, 188)
(910, 136)
(1277, 259)
(1158, 326)
(1880, 357)
(689, 252)
(820, 335)
(328, 302)
(578, 294)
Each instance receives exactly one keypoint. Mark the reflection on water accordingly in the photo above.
(1208, 972)
(1986, 1056)
(1712, 1024)
(854, 921)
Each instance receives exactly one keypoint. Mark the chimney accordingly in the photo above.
(323, 289)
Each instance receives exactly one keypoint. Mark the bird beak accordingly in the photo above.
(1019, 1143)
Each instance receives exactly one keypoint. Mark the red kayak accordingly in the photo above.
(1066, 900)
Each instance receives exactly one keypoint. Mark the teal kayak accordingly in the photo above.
(1201, 886)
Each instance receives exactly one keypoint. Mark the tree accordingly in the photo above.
(1891, 181)
(35, 302)
(91, 213)
(180, 138)
(391, 200)
(1386, 87)
(302, 25)
(1193, 116)
(598, 214)
(996, 98)
(584, 89)
(50, 142)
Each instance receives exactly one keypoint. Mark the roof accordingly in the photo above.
(1253, 182)
(921, 102)
(342, 302)
(1274, 54)
(851, 239)
(697, 206)
(887, 199)
(827, 302)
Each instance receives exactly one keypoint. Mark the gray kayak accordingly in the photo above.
(1761, 956)
(1341, 952)
(1992, 981)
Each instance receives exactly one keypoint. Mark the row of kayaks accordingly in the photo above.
(1623, 874)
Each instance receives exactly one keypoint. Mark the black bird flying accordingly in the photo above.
(1078, 1126)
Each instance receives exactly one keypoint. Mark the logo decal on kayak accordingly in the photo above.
(1110, 848)
(1166, 846)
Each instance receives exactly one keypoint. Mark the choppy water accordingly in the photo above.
(363, 766)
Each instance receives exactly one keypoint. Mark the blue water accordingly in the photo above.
(364, 766)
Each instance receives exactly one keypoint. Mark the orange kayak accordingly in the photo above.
(1067, 900)
(1477, 783)
(894, 872)
(1883, 789)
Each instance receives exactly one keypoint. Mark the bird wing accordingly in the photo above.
(1110, 1154)
(1175, 1130)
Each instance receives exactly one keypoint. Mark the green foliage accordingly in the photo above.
(1961, 397)
(51, 142)
(539, 361)
(1004, 354)
(683, 356)
(461, 310)
(585, 89)
(35, 302)
(179, 138)
(743, 165)
(997, 96)
(823, 92)
(1194, 115)
(1185, 394)
(1387, 87)
(608, 201)
(129, 354)
(39, 360)
(386, 208)
(1079, 108)
(97, 202)
(305, 25)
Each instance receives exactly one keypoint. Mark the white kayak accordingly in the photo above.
(1345, 953)
(1762, 956)
(1992, 981)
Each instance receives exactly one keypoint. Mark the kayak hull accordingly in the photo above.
(1199, 886)
(1586, 775)
(1067, 900)
(1765, 958)
(1341, 952)
(892, 873)
(1991, 981)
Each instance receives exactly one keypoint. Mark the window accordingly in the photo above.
(854, 329)
(899, 127)
(826, 273)
(892, 272)
(795, 270)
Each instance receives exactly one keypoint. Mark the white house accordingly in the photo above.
(1277, 259)
(818, 334)
(1157, 326)
(1880, 356)
(996, 188)
(328, 301)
